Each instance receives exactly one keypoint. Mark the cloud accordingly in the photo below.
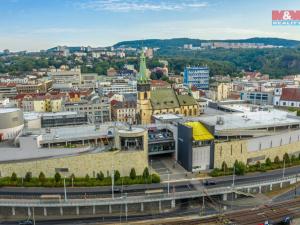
(140, 5)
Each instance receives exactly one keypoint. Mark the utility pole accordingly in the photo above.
(65, 189)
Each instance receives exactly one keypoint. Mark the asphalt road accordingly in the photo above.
(140, 189)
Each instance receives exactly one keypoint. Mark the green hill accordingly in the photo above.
(179, 42)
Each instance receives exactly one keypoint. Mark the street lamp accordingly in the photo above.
(65, 189)
(112, 183)
(233, 176)
(283, 170)
(168, 182)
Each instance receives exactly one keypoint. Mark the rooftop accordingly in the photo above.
(247, 118)
(8, 110)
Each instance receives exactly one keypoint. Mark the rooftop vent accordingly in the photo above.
(220, 121)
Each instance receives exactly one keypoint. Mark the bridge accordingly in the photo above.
(169, 198)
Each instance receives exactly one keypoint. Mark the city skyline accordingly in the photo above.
(32, 25)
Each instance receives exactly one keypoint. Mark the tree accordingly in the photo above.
(13, 177)
(87, 178)
(42, 177)
(268, 162)
(132, 174)
(224, 166)
(277, 160)
(100, 176)
(146, 173)
(258, 164)
(240, 168)
(286, 158)
(28, 177)
(117, 175)
(57, 177)
(293, 158)
(72, 176)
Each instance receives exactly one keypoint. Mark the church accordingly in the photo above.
(160, 101)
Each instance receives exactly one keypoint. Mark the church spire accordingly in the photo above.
(142, 76)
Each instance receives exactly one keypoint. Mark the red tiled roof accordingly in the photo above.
(290, 94)
(8, 84)
(159, 83)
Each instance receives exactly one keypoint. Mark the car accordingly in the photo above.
(209, 182)
(117, 190)
(26, 222)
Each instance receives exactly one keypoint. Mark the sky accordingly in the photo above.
(40, 24)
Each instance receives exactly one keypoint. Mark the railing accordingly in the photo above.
(138, 199)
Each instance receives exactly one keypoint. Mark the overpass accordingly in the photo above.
(169, 198)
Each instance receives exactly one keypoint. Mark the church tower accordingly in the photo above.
(144, 110)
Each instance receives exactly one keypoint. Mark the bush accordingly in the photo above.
(57, 177)
(240, 168)
(268, 162)
(132, 174)
(155, 178)
(87, 178)
(100, 176)
(117, 175)
(13, 177)
(146, 173)
(42, 177)
(28, 177)
(277, 160)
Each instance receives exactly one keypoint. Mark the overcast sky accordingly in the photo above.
(41, 24)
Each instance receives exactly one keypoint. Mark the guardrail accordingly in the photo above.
(138, 199)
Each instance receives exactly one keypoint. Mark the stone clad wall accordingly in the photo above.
(238, 150)
(81, 165)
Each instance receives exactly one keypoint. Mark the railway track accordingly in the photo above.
(275, 212)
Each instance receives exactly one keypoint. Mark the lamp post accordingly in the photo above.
(33, 217)
(65, 189)
(168, 183)
(283, 170)
(112, 183)
(233, 176)
(296, 185)
(126, 209)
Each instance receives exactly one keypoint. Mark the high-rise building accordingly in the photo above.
(196, 76)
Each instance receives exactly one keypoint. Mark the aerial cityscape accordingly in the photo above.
(153, 112)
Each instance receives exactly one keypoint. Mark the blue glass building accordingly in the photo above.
(196, 76)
